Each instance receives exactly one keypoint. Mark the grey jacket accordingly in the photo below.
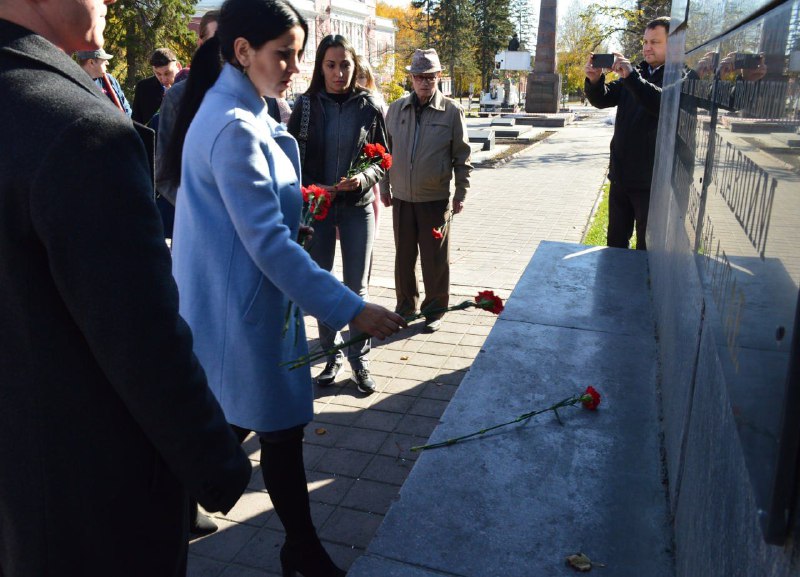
(422, 171)
(337, 134)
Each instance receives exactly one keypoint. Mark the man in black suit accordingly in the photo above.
(150, 91)
(106, 420)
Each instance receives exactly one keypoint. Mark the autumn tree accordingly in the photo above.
(137, 27)
(409, 37)
(579, 33)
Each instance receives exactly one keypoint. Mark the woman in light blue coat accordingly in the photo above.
(236, 260)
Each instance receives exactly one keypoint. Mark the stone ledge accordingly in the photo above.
(517, 501)
(554, 120)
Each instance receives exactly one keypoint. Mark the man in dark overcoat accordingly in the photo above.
(106, 420)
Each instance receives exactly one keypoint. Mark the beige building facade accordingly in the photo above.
(372, 36)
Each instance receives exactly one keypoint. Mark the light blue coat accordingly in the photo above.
(237, 263)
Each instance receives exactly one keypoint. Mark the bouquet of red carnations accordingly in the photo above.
(371, 154)
(316, 204)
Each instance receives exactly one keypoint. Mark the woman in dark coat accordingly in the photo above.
(105, 417)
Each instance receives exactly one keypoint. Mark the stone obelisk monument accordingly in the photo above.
(544, 85)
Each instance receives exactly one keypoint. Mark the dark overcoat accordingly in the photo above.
(147, 98)
(105, 414)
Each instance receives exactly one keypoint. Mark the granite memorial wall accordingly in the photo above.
(724, 239)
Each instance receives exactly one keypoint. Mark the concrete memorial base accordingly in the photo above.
(515, 502)
(543, 93)
(483, 136)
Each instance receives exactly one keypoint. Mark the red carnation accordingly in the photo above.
(320, 203)
(386, 160)
(379, 149)
(437, 234)
(370, 150)
(487, 300)
(590, 398)
(312, 191)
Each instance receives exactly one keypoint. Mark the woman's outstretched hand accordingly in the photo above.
(378, 321)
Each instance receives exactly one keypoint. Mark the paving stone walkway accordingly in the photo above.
(357, 449)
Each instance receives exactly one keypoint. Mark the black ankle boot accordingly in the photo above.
(309, 560)
(285, 480)
(199, 523)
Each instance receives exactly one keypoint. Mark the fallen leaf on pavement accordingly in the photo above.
(579, 562)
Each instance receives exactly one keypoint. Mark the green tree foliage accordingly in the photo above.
(455, 34)
(468, 33)
(449, 27)
(523, 17)
(628, 23)
(635, 22)
(428, 21)
(137, 27)
(493, 29)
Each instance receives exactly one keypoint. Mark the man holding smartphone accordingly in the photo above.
(637, 96)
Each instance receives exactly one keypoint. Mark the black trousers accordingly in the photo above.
(627, 206)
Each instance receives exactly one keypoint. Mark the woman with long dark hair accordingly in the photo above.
(237, 262)
(333, 121)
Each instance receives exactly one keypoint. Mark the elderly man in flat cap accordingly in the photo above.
(430, 148)
(94, 63)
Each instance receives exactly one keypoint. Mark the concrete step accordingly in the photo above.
(476, 146)
(503, 121)
(511, 131)
(484, 136)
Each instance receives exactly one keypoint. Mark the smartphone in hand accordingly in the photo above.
(602, 60)
(745, 61)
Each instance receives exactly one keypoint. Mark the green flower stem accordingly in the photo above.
(320, 354)
(568, 402)
(286, 317)
(306, 219)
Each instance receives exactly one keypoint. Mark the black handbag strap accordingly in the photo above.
(305, 119)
